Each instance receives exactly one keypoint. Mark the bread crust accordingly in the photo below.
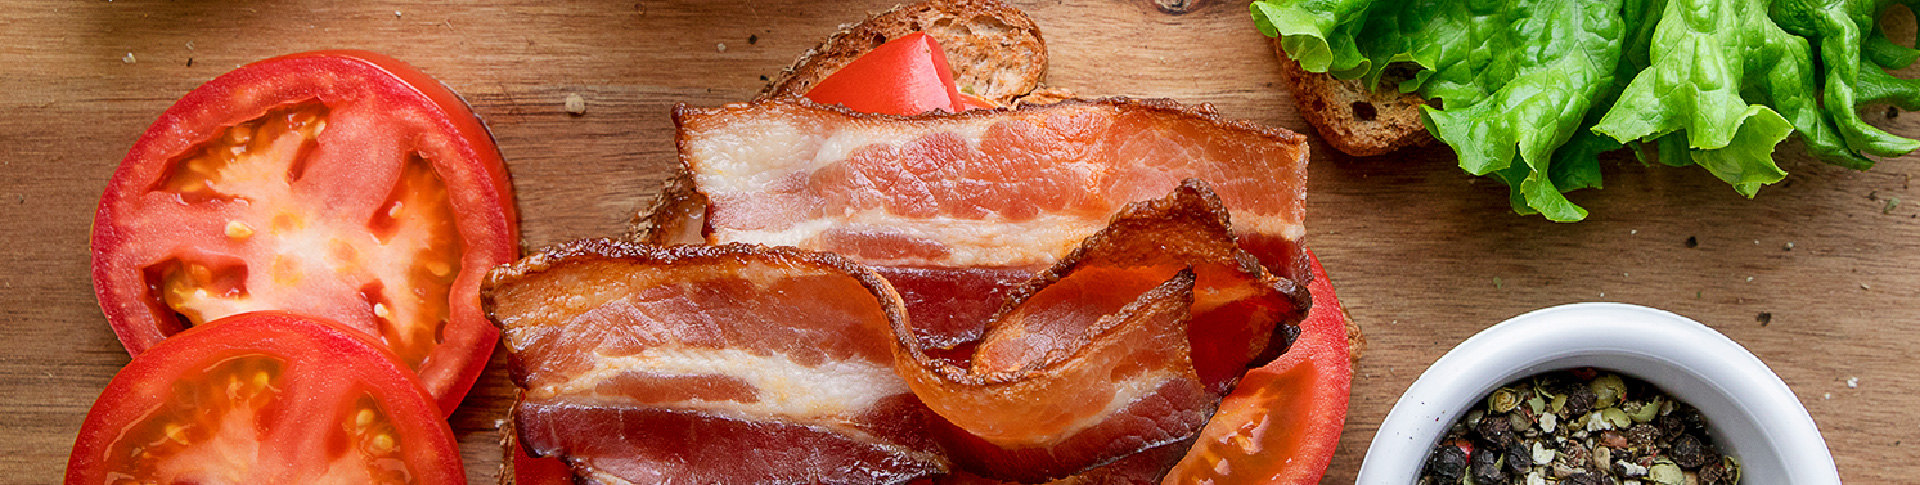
(995, 51)
(1353, 119)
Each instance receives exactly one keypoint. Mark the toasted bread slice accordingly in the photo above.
(995, 51)
(1355, 120)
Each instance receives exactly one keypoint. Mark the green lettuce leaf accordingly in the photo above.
(1882, 51)
(1461, 51)
(1530, 92)
(1317, 33)
(1876, 86)
(1837, 26)
(1540, 100)
(1704, 54)
(1746, 162)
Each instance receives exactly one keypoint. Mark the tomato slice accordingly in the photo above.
(337, 184)
(905, 76)
(265, 397)
(1280, 425)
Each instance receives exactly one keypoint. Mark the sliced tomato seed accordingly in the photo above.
(370, 433)
(207, 413)
(191, 288)
(238, 230)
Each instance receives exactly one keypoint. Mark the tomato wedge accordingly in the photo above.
(1280, 425)
(338, 184)
(905, 76)
(269, 398)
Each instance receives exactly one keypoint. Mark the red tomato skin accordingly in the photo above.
(528, 470)
(964, 102)
(1325, 333)
(1302, 396)
(905, 76)
(485, 213)
(343, 353)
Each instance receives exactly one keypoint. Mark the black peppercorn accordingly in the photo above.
(1690, 453)
(1579, 400)
(1695, 421)
(1495, 429)
(1519, 458)
(1486, 469)
(1671, 426)
(1716, 473)
(1447, 464)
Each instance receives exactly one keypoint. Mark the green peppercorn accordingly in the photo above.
(1646, 411)
(1665, 472)
(1607, 390)
(1503, 400)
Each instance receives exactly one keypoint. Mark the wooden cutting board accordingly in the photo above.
(1817, 276)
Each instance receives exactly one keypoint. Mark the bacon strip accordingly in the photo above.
(999, 189)
(709, 364)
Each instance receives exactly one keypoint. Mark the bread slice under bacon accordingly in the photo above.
(1353, 119)
(994, 50)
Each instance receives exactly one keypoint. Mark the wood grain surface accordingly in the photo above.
(1817, 276)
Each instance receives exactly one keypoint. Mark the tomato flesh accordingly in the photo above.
(340, 185)
(203, 422)
(259, 162)
(265, 398)
(1281, 423)
(905, 76)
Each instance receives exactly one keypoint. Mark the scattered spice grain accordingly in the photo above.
(576, 105)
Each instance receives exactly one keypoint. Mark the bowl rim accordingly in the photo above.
(1747, 396)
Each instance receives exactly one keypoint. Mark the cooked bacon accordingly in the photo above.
(1047, 318)
(1126, 344)
(630, 353)
(955, 209)
(709, 364)
(1007, 188)
(949, 307)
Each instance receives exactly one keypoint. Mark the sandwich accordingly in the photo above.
(996, 283)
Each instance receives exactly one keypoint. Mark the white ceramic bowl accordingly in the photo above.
(1751, 414)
